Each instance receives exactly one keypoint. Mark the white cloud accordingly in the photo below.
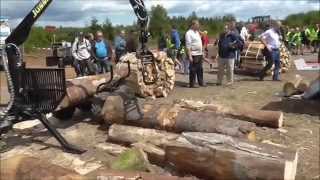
(79, 12)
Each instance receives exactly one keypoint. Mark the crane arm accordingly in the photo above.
(20, 34)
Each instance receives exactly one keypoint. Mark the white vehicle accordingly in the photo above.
(4, 30)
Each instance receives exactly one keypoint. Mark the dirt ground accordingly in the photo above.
(301, 121)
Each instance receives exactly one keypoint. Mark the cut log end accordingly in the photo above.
(290, 169)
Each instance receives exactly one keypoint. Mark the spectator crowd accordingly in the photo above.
(93, 54)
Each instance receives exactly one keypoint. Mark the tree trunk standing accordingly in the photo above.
(273, 119)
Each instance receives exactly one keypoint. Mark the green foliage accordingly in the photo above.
(159, 20)
(160, 23)
(130, 160)
(303, 19)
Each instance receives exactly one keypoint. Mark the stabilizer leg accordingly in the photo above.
(66, 146)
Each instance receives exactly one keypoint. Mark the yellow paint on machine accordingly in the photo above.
(39, 8)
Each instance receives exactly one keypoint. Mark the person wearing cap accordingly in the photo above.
(81, 52)
(102, 51)
(271, 41)
(120, 45)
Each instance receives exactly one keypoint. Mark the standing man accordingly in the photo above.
(175, 45)
(271, 40)
(195, 54)
(120, 45)
(236, 31)
(102, 51)
(229, 43)
(81, 52)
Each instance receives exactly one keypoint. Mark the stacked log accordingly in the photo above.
(165, 74)
(253, 59)
(212, 156)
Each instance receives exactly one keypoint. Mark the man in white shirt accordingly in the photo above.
(271, 40)
(195, 54)
(244, 33)
(81, 52)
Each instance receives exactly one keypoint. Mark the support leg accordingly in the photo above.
(67, 147)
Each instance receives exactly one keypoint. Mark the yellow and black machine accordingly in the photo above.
(34, 92)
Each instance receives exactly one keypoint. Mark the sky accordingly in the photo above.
(78, 13)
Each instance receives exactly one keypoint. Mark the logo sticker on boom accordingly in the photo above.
(39, 8)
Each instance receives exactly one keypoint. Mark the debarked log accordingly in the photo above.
(273, 119)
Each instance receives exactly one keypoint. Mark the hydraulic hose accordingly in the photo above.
(11, 88)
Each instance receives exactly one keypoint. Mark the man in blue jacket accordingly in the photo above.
(102, 52)
(229, 43)
(175, 43)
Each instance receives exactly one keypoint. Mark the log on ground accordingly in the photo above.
(176, 119)
(25, 168)
(291, 87)
(273, 119)
(215, 156)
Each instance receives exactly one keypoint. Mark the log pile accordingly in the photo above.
(165, 75)
(300, 87)
(253, 59)
(208, 141)
(210, 155)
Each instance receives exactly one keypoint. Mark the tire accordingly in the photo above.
(64, 114)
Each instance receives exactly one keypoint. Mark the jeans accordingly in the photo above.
(226, 63)
(104, 65)
(237, 58)
(196, 70)
(272, 57)
(186, 64)
(81, 67)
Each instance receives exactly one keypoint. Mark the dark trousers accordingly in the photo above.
(272, 57)
(81, 67)
(196, 70)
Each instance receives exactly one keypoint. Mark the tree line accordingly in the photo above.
(160, 22)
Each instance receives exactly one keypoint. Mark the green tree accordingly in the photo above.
(94, 25)
(108, 29)
(159, 20)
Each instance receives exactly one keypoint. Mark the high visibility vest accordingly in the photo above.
(169, 43)
(296, 38)
(313, 35)
(289, 36)
(307, 32)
